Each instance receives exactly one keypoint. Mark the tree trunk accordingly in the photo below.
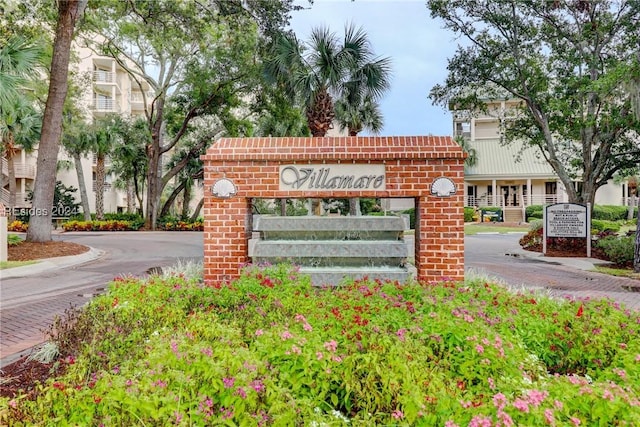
(171, 199)
(131, 197)
(12, 186)
(636, 252)
(197, 210)
(82, 187)
(632, 204)
(100, 173)
(40, 225)
(354, 206)
(283, 207)
(186, 200)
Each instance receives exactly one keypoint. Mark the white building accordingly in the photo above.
(111, 91)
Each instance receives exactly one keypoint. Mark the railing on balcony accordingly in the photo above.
(20, 169)
(104, 104)
(511, 201)
(21, 198)
(104, 77)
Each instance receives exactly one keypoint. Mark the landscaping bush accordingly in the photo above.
(270, 349)
(13, 240)
(175, 224)
(533, 211)
(608, 212)
(468, 213)
(599, 225)
(18, 226)
(110, 225)
(535, 215)
(618, 250)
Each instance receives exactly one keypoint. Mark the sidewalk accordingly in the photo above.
(49, 264)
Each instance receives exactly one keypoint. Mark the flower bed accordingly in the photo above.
(108, 225)
(271, 349)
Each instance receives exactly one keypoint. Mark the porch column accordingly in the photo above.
(529, 191)
(494, 192)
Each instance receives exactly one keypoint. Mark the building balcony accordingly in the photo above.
(105, 105)
(21, 170)
(21, 199)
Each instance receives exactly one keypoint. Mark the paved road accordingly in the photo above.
(500, 256)
(30, 303)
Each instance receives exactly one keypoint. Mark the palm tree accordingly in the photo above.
(77, 139)
(356, 118)
(20, 126)
(323, 68)
(472, 154)
(106, 134)
(20, 60)
(315, 72)
(129, 160)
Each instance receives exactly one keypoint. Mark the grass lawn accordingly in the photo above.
(620, 272)
(11, 264)
(471, 229)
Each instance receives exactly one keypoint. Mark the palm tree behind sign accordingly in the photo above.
(317, 71)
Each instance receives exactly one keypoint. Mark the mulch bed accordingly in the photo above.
(27, 251)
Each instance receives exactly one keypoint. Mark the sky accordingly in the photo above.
(417, 45)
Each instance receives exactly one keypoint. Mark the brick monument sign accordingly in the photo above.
(427, 168)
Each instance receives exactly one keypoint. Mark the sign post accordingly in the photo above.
(567, 220)
(4, 240)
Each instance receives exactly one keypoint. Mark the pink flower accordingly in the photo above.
(240, 392)
(536, 397)
(307, 327)
(548, 416)
(576, 421)
(558, 404)
(206, 352)
(466, 404)
(499, 400)
(479, 348)
(450, 423)
(13, 403)
(259, 332)
(521, 405)
(300, 318)
(319, 355)
(258, 386)
(295, 349)
(286, 335)
(480, 421)
(401, 333)
(505, 418)
(397, 414)
(607, 395)
(492, 384)
(331, 345)
(228, 382)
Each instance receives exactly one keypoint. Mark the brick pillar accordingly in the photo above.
(439, 239)
(225, 239)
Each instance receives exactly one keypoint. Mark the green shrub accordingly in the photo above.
(529, 211)
(13, 240)
(535, 215)
(608, 212)
(618, 250)
(598, 225)
(468, 213)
